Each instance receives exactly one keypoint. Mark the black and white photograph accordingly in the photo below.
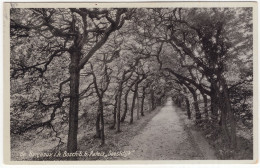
(102, 82)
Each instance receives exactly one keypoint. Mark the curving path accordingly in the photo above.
(166, 137)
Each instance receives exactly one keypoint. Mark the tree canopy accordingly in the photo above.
(72, 67)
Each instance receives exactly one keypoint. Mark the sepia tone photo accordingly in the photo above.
(96, 83)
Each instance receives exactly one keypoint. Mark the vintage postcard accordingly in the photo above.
(127, 83)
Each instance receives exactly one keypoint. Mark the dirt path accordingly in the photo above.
(166, 137)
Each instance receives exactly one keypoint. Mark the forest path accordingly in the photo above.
(167, 137)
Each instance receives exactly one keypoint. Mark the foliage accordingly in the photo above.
(200, 57)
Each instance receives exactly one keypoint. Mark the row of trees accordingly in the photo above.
(67, 62)
(208, 53)
(63, 58)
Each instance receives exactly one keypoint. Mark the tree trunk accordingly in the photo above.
(228, 111)
(120, 89)
(74, 101)
(102, 130)
(224, 121)
(214, 104)
(178, 102)
(142, 102)
(114, 113)
(126, 105)
(133, 104)
(195, 103)
(188, 107)
(138, 105)
(98, 135)
(196, 106)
